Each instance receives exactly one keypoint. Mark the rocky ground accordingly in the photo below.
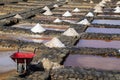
(48, 62)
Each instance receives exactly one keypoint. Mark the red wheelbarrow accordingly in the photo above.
(22, 59)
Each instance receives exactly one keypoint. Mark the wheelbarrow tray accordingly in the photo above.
(19, 57)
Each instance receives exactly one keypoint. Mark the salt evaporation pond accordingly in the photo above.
(29, 26)
(89, 61)
(32, 38)
(98, 44)
(111, 22)
(6, 63)
(103, 30)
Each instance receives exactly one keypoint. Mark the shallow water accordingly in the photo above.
(98, 44)
(103, 30)
(29, 26)
(89, 61)
(6, 63)
(111, 22)
(32, 38)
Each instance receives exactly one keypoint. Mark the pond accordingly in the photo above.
(111, 22)
(47, 27)
(103, 30)
(89, 61)
(32, 38)
(6, 63)
(98, 44)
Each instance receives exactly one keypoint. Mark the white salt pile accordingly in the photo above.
(84, 22)
(55, 5)
(90, 14)
(76, 10)
(91, 1)
(38, 28)
(98, 9)
(69, 21)
(118, 3)
(117, 9)
(18, 16)
(71, 32)
(108, 0)
(57, 20)
(67, 14)
(101, 4)
(46, 8)
(55, 42)
(48, 13)
(119, 50)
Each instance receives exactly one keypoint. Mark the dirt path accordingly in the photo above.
(6, 75)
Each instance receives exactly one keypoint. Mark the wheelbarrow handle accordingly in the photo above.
(35, 50)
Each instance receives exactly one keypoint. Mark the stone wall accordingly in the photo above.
(69, 73)
(106, 37)
(96, 51)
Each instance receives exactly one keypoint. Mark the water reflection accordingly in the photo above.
(89, 61)
(6, 63)
(111, 22)
(98, 44)
(103, 30)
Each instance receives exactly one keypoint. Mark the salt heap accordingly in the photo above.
(55, 5)
(98, 9)
(67, 14)
(117, 9)
(46, 8)
(108, 0)
(18, 16)
(70, 32)
(118, 3)
(57, 20)
(76, 10)
(38, 28)
(90, 14)
(91, 1)
(48, 13)
(119, 50)
(55, 42)
(84, 22)
(101, 4)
